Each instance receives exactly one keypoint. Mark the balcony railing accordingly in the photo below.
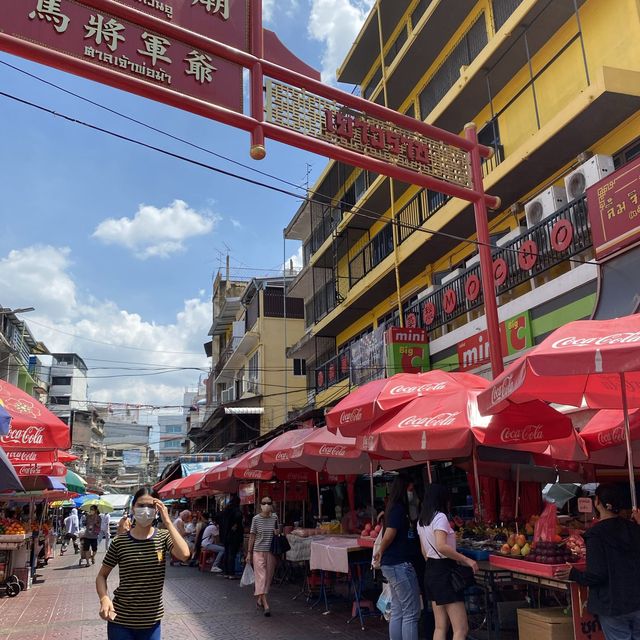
(371, 255)
(332, 371)
(322, 303)
(226, 354)
(555, 239)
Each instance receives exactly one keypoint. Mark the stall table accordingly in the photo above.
(342, 555)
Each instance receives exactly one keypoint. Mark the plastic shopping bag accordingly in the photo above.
(547, 524)
(248, 577)
(384, 601)
(375, 564)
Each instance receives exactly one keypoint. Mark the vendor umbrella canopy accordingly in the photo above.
(229, 474)
(592, 361)
(9, 480)
(33, 426)
(102, 505)
(277, 452)
(604, 440)
(74, 482)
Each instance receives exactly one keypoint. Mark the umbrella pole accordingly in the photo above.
(476, 478)
(517, 495)
(371, 489)
(627, 437)
(429, 477)
(284, 502)
(319, 498)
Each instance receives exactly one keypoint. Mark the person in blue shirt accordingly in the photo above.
(395, 557)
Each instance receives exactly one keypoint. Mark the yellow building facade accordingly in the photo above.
(554, 88)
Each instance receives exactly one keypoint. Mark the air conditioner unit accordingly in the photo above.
(452, 276)
(544, 205)
(587, 174)
(512, 235)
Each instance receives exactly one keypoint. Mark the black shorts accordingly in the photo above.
(437, 582)
(90, 543)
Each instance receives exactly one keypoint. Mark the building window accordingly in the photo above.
(394, 49)
(171, 444)
(173, 428)
(299, 367)
(418, 12)
(63, 400)
(629, 153)
(502, 10)
(63, 381)
(374, 82)
(254, 364)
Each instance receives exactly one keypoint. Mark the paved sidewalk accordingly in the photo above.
(199, 606)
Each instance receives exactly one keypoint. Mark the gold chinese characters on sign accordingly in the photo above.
(327, 120)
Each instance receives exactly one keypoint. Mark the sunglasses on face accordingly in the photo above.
(269, 503)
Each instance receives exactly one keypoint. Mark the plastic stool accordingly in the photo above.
(206, 559)
(364, 604)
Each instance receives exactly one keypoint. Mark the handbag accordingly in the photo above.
(279, 544)
(461, 576)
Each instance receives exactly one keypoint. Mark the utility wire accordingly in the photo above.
(359, 211)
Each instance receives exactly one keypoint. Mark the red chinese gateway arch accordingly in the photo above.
(191, 54)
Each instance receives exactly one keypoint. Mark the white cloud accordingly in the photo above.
(40, 276)
(296, 259)
(155, 232)
(336, 24)
(236, 223)
(287, 7)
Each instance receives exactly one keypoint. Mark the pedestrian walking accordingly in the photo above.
(182, 525)
(613, 567)
(104, 529)
(263, 527)
(211, 542)
(438, 542)
(71, 530)
(232, 532)
(395, 557)
(90, 535)
(137, 608)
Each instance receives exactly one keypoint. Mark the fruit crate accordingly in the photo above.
(474, 554)
(19, 537)
(527, 566)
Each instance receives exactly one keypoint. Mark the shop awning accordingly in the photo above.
(243, 411)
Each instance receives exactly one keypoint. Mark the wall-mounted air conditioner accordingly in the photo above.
(588, 173)
(544, 205)
(452, 276)
(472, 260)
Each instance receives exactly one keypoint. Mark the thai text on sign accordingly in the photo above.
(124, 50)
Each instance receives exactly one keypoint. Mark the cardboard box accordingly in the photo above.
(545, 624)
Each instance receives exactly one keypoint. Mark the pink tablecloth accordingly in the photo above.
(332, 554)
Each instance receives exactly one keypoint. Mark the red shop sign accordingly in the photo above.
(428, 313)
(500, 272)
(125, 54)
(561, 235)
(449, 300)
(472, 288)
(528, 255)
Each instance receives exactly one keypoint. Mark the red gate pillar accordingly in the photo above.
(484, 251)
(258, 149)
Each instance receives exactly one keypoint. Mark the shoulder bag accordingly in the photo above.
(461, 576)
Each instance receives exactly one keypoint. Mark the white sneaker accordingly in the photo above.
(216, 570)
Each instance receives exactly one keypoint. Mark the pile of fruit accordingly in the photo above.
(516, 545)
(370, 532)
(11, 528)
(552, 553)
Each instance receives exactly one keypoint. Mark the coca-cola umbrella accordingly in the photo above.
(229, 474)
(33, 426)
(370, 402)
(604, 438)
(277, 452)
(595, 362)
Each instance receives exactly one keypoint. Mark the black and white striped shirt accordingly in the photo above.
(263, 528)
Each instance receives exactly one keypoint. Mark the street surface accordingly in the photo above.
(199, 606)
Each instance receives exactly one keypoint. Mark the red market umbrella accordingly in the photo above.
(166, 492)
(33, 426)
(228, 474)
(592, 361)
(604, 439)
(185, 486)
(362, 407)
(277, 452)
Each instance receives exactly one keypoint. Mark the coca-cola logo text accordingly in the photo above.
(419, 389)
(444, 419)
(22, 456)
(530, 433)
(611, 437)
(29, 435)
(252, 473)
(614, 338)
(347, 417)
(337, 451)
(282, 455)
(29, 470)
(507, 386)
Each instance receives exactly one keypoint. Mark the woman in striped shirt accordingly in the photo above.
(140, 554)
(263, 528)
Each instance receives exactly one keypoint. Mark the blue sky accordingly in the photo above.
(118, 244)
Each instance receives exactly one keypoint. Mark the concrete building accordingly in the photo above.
(68, 385)
(253, 386)
(18, 365)
(130, 462)
(88, 444)
(553, 88)
(172, 440)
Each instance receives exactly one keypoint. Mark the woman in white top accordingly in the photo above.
(438, 543)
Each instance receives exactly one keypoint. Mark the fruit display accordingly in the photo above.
(370, 531)
(11, 528)
(552, 553)
(516, 545)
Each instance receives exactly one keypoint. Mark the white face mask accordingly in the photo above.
(265, 508)
(144, 516)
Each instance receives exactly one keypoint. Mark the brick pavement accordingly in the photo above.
(199, 606)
